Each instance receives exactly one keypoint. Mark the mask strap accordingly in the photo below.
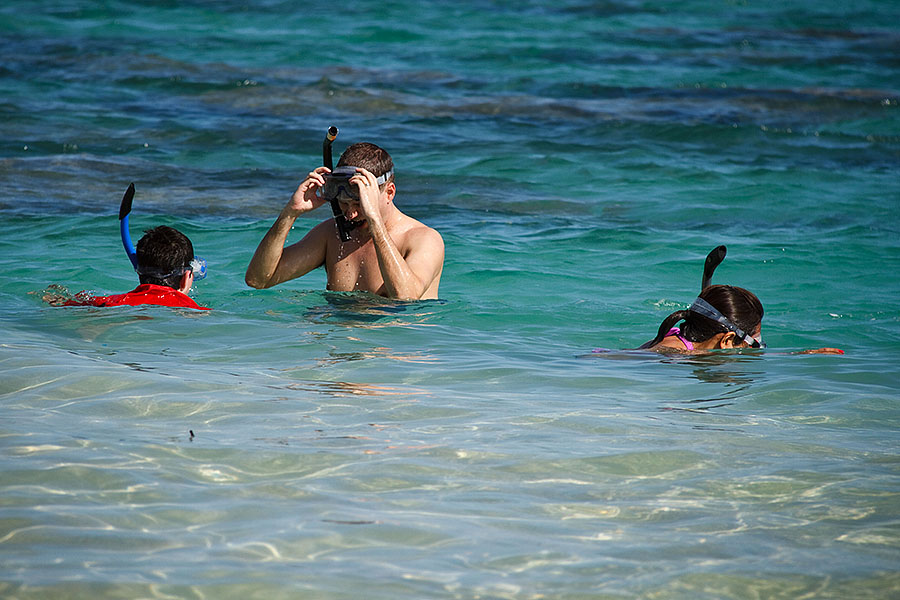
(350, 171)
(383, 178)
(197, 266)
(702, 307)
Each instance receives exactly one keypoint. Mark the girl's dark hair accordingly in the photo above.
(738, 305)
(163, 251)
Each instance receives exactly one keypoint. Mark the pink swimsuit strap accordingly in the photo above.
(676, 332)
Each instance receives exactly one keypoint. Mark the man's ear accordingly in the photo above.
(727, 340)
(391, 190)
(187, 280)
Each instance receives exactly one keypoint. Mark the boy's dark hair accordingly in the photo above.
(163, 254)
(370, 157)
(738, 305)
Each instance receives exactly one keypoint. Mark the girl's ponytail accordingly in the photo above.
(665, 326)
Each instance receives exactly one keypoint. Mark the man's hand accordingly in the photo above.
(369, 195)
(269, 265)
(305, 198)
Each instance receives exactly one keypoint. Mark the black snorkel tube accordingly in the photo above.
(343, 224)
(713, 260)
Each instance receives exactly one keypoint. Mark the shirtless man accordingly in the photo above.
(389, 253)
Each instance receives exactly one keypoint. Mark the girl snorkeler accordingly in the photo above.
(723, 317)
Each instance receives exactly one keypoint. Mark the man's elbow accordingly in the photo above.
(254, 282)
(409, 295)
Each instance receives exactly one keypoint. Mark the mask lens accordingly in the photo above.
(338, 183)
(198, 266)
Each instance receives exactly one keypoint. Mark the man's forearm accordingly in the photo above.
(400, 282)
(268, 254)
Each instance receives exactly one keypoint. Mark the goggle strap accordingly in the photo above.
(383, 178)
(380, 180)
(702, 307)
(197, 265)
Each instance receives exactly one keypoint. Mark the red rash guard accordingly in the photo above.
(145, 293)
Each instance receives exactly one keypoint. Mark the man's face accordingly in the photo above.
(349, 206)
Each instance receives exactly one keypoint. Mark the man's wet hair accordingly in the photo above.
(368, 156)
(163, 254)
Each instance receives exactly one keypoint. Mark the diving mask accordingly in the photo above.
(197, 265)
(337, 183)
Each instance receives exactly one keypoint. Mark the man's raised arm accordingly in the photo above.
(272, 263)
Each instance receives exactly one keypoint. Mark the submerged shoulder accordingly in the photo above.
(668, 348)
(670, 344)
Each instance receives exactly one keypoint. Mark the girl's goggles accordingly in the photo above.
(702, 307)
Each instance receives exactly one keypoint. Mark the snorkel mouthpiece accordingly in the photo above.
(343, 224)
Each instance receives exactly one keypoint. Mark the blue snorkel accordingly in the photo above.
(124, 210)
(198, 265)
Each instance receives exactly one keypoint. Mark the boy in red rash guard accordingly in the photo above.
(166, 274)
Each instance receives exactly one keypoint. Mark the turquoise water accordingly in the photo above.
(580, 159)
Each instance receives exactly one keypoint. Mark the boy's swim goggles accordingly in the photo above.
(197, 265)
(702, 307)
(337, 183)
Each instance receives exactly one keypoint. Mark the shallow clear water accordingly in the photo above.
(580, 160)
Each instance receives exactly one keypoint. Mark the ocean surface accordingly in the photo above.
(580, 159)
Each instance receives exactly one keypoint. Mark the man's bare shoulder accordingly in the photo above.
(326, 227)
(418, 234)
